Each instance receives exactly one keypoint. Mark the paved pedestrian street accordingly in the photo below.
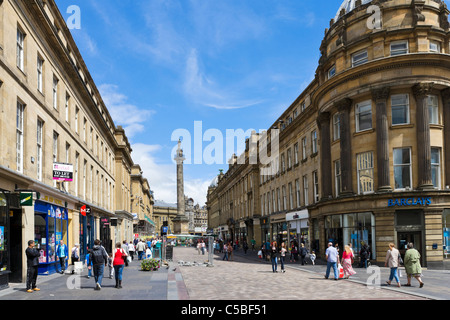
(244, 278)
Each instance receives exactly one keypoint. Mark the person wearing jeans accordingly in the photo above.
(332, 257)
(118, 262)
(274, 256)
(98, 258)
(392, 260)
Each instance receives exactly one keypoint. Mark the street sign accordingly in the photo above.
(26, 199)
(85, 210)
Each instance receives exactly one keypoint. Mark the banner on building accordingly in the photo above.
(62, 171)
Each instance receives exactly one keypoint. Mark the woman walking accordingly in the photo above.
(347, 261)
(131, 249)
(274, 256)
(392, 260)
(282, 256)
(412, 264)
(118, 263)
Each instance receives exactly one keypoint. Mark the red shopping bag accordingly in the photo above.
(341, 271)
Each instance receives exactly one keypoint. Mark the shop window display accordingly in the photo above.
(3, 235)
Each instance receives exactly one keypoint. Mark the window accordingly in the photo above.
(55, 93)
(336, 126)
(337, 177)
(77, 113)
(77, 159)
(359, 58)
(433, 110)
(19, 136)
(316, 186)
(20, 49)
(274, 201)
(400, 109)
(291, 197)
(289, 158)
(435, 47)
(67, 107)
(402, 168)
(84, 179)
(314, 142)
(364, 116)
(40, 129)
(84, 130)
(399, 47)
(303, 106)
(305, 189)
(295, 113)
(436, 167)
(283, 164)
(297, 192)
(40, 64)
(278, 200)
(365, 172)
(284, 198)
(304, 156)
(331, 72)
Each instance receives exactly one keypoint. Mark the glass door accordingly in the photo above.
(415, 237)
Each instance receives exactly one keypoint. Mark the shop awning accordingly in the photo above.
(297, 215)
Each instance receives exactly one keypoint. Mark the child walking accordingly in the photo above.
(110, 266)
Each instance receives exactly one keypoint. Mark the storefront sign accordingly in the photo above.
(85, 210)
(26, 199)
(409, 202)
(62, 171)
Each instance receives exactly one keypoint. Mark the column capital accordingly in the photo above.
(344, 104)
(323, 119)
(422, 89)
(381, 93)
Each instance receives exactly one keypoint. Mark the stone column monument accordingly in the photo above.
(180, 222)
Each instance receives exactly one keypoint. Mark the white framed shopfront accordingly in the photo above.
(298, 225)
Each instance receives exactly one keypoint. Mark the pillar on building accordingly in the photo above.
(344, 107)
(380, 97)
(446, 102)
(323, 122)
(421, 92)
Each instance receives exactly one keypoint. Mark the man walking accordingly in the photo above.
(140, 247)
(32, 266)
(63, 254)
(332, 257)
(98, 259)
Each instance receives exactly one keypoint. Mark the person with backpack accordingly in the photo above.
(99, 260)
(303, 252)
(75, 256)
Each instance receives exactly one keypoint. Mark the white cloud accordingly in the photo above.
(130, 116)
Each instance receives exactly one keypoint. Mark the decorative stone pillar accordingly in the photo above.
(446, 102)
(344, 107)
(380, 97)
(421, 92)
(323, 122)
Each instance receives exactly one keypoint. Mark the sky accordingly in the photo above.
(200, 67)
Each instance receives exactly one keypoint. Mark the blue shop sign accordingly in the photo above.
(409, 202)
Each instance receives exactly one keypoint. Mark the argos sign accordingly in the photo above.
(409, 202)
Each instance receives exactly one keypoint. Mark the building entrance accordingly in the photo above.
(415, 237)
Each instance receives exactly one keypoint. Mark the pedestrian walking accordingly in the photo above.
(347, 261)
(131, 249)
(412, 264)
(148, 253)
(225, 251)
(230, 251)
(140, 247)
(203, 246)
(283, 251)
(75, 256)
(32, 266)
(393, 261)
(62, 252)
(245, 246)
(199, 247)
(89, 266)
(303, 252)
(99, 260)
(312, 256)
(294, 252)
(332, 258)
(274, 256)
(110, 265)
(253, 242)
(126, 249)
(119, 257)
(364, 254)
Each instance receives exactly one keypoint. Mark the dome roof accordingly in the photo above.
(214, 182)
(348, 5)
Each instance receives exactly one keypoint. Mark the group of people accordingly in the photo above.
(96, 260)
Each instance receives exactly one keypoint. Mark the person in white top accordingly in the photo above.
(392, 260)
(131, 249)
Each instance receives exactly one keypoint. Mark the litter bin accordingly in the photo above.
(169, 253)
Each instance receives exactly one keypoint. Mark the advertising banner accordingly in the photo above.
(62, 171)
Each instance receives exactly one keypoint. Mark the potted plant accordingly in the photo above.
(150, 265)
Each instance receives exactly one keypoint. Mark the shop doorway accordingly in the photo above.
(16, 245)
(415, 237)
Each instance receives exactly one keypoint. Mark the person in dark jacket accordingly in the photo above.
(98, 258)
(32, 266)
(274, 256)
(303, 252)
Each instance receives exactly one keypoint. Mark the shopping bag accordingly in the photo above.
(341, 271)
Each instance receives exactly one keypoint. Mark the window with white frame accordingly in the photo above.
(400, 109)
(20, 49)
(365, 172)
(363, 114)
(283, 163)
(436, 167)
(314, 142)
(274, 202)
(337, 177)
(305, 189)
(359, 58)
(39, 135)
(296, 153)
(40, 67)
(76, 169)
(402, 168)
(433, 109)
(331, 71)
(55, 146)
(278, 200)
(67, 106)
(284, 198)
(77, 114)
(289, 158)
(19, 136)
(291, 197)
(304, 155)
(435, 46)
(316, 186)
(303, 106)
(297, 192)
(336, 126)
(399, 47)
(55, 93)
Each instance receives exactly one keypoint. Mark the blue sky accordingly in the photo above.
(161, 65)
